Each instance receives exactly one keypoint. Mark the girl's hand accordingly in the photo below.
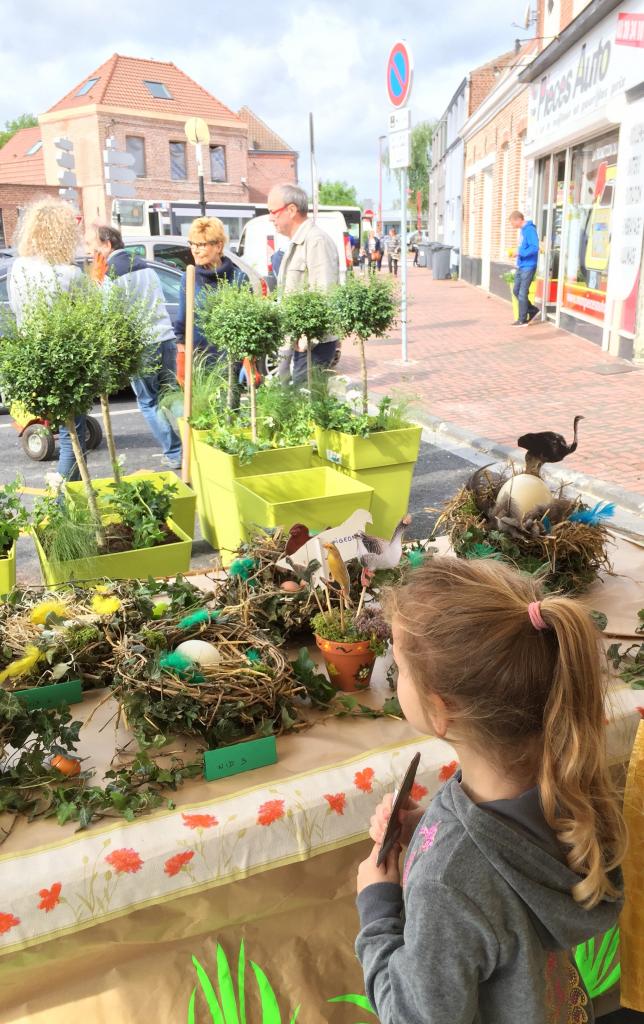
(409, 818)
(369, 874)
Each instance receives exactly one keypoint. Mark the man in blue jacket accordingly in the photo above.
(527, 255)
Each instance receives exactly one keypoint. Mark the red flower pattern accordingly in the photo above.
(336, 802)
(269, 812)
(362, 780)
(173, 865)
(125, 861)
(49, 898)
(418, 791)
(199, 820)
(7, 922)
(447, 770)
(641, 711)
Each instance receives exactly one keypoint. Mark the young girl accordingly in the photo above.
(516, 859)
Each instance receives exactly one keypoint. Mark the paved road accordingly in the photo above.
(438, 474)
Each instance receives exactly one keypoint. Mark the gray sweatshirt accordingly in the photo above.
(481, 930)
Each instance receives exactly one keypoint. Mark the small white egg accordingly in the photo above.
(201, 652)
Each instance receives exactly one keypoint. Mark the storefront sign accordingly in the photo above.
(628, 215)
(580, 87)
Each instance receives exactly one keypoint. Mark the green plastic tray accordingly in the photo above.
(8, 571)
(387, 448)
(319, 498)
(182, 509)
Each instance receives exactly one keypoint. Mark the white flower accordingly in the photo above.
(353, 395)
(121, 460)
(54, 481)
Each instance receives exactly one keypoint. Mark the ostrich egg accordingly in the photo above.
(201, 652)
(526, 491)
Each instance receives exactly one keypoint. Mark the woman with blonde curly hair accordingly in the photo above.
(48, 237)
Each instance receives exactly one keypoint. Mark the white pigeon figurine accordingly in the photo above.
(377, 553)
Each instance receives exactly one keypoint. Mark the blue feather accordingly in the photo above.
(593, 516)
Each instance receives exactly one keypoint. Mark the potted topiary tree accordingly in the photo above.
(307, 314)
(13, 519)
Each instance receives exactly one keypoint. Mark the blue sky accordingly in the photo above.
(324, 57)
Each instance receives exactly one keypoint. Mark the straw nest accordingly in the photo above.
(252, 691)
(566, 555)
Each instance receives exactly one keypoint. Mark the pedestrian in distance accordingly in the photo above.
(47, 243)
(392, 248)
(131, 273)
(516, 860)
(527, 255)
(374, 251)
(310, 261)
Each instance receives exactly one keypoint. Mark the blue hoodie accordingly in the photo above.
(528, 251)
(205, 277)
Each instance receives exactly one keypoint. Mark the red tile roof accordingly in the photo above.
(16, 167)
(120, 84)
(260, 136)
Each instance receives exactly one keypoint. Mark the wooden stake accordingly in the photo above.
(111, 447)
(187, 383)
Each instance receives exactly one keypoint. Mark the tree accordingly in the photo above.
(307, 314)
(367, 310)
(337, 193)
(11, 127)
(418, 170)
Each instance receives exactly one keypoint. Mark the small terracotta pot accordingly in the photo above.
(349, 663)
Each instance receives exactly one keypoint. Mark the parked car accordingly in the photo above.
(174, 250)
(260, 242)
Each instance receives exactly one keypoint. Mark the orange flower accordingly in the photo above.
(125, 861)
(49, 898)
(269, 812)
(362, 780)
(199, 820)
(173, 865)
(418, 791)
(641, 711)
(447, 771)
(336, 801)
(8, 921)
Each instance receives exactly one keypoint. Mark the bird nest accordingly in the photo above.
(566, 554)
(252, 692)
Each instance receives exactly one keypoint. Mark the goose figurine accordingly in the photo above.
(376, 553)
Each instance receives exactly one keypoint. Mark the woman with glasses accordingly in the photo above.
(207, 238)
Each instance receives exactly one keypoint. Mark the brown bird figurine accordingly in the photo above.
(547, 446)
(298, 536)
(377, 553)
(338, 571)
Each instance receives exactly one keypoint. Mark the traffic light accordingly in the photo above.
(119, 172)
(66, 177)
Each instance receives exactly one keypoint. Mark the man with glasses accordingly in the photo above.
(311, 261)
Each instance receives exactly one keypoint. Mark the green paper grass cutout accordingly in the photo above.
(599, 972)
(228, 1007)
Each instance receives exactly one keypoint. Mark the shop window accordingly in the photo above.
(218, 163)
(135, 146)
(593, 176)
(178, 166)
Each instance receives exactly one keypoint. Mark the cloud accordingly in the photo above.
(283, 61)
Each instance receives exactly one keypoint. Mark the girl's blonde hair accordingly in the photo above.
(207, 229)
(48, 229)
(530, 700)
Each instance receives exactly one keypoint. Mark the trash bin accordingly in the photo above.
(441, 262)
(424, 254)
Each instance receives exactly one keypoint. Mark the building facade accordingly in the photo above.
(446, 175)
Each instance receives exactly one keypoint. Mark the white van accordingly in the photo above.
(260, 242)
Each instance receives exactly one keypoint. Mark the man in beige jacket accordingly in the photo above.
(311, 261)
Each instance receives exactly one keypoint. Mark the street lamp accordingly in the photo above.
(381, 139)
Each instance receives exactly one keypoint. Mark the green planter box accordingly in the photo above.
(320, 498)
(8, 571)
(213, 477)
(165, 560)
(384, 461)
(182, 509)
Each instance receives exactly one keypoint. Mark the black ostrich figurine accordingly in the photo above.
(546, 447)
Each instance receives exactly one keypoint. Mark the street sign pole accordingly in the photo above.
(403, 265)
(198, 133)
(400, 68)
(202, 189)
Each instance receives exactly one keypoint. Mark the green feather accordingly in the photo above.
(182, 666)
(196, 618)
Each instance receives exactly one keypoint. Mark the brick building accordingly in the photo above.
(22, 178)
(270, 158)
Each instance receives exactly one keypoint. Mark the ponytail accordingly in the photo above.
(578, 796)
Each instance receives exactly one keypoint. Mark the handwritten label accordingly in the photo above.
(240, 757)
(52, 696)
(334, 457)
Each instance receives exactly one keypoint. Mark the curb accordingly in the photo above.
(628, 500)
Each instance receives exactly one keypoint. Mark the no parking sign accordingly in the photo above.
(400, 70)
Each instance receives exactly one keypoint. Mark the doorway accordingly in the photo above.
(486, 245)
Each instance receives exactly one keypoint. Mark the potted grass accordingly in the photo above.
(13, 519)
(350, 642)
(55, 364)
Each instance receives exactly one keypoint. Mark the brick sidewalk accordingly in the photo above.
(474, 370)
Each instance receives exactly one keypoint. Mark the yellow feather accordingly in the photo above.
(105, 605)
(22, 665)
(40, 611)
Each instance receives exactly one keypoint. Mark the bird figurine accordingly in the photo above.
(546, 446)
(338, 571)
(377, 553)
(484, 485)
(298, 536)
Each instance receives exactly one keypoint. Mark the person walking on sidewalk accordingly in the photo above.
(392, 248)
(140, 282)
(527, 255)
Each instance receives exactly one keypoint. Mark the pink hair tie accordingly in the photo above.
(536, 618)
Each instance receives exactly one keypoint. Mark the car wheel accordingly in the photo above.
(38, 442)
(94, 433)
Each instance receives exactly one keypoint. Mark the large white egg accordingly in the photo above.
(201, 652)
(526, 491)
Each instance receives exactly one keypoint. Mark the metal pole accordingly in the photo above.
(380, 138)
(403, 257)
(202, 191)
(187, 381)
(314, 177)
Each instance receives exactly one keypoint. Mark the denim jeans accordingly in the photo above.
(321, 355)
(147, 391)
(67, 466)
(522, 281)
